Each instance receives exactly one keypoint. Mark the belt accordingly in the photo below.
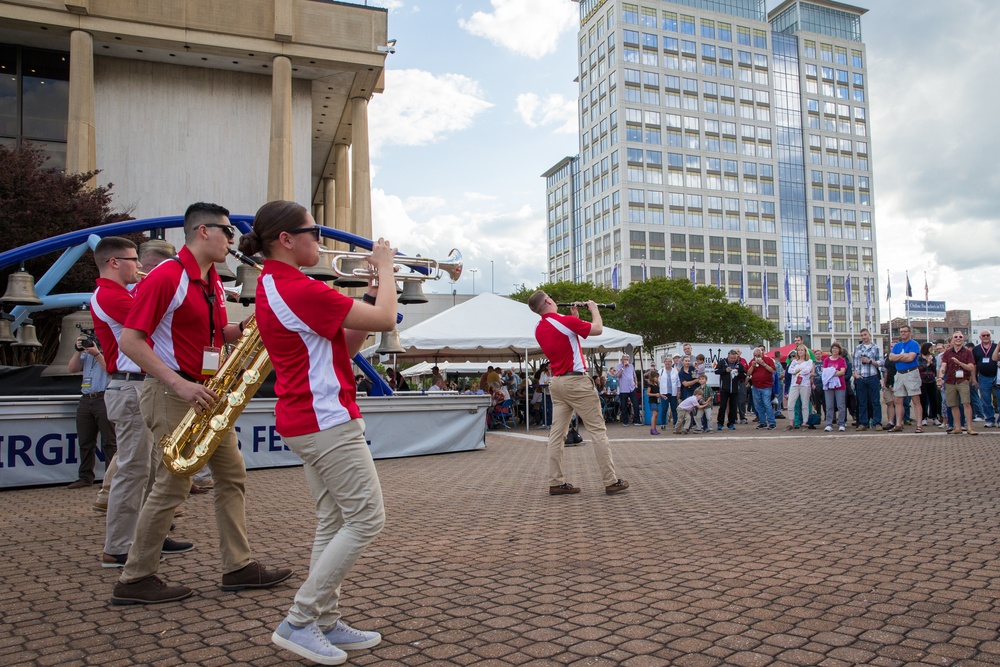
(190, 378)
(906, 371)
(95, 394)
(570, 373)
(139, 377)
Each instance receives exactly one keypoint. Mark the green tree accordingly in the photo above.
(663, 310)
(39, 202)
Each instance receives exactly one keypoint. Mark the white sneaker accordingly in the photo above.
(308, 642)
(347, 638)
(828, 428)
(937, 422)
(841, 429)
(978, 419)
(923, 422)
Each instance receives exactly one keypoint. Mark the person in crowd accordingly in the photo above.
(438, 385)
(181, 306)
(572, 391)
(118, 264)
(704, 416)
(363, 384)
(867, 379)
(957, 373)
(91, 413)
(800, 370)
(761, 378)
(986, 376)
(907, 383)
(311, 333)
(699, 365)
(687, 409)
(669, 388)
(779, 384)
(835, 387)
(545, 382)
(929, 392)
(687, 378)
(628, 395)
(888, 396)
(599, 383)
(493, 374)
(744, 395)
(731, 374)
(653, 398)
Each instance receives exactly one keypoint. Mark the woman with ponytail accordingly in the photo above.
(311, 332)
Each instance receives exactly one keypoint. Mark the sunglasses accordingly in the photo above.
(124, 259)
(314, 231)
(228, 230)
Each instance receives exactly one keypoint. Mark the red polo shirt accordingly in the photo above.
(964, 355)
(110, 306)
(301, 323)
(181, 313)
(559, 337)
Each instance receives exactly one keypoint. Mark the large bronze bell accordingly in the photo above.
(26, 335)
(74, 325)
(324, 269)
(348, 266)
(226, 274)
(21, 290)
(413, 292)
(6, 331)
(390, 343)
(247, 277)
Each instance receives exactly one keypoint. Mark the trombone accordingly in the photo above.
(351, 265)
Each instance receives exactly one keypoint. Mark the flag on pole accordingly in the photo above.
(850, 305)
(720, 275)
(829, 304)
(742, 286)
(614, 277)
(765, 294)
(888, 286)
(694, 276)
(788, 302)
(909, 290)
(644, 272)
(868, 302)
(926, 291)
(808, 306)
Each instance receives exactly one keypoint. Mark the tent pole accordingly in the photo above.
(527, 400)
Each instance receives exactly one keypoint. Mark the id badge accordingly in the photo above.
(960, 373)
(210, 360)
(85, 385)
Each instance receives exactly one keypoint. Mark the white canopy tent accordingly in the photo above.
(464, 367)
(488, 327)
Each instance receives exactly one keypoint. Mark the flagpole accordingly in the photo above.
(927, 313)
(888, 300)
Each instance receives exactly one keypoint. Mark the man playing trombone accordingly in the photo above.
(571, 389)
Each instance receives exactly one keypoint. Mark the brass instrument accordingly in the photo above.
(188, 448)
(583, 304)
(451, 266)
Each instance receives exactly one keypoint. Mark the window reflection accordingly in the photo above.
(42, 79)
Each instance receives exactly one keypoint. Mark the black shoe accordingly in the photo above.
(563, 489)
(150, 590)
(175, 546)
(254, 575)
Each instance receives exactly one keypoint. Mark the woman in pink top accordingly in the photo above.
(835, 387)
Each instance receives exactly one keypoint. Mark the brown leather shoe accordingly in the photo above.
(100, 507)
(79, 484)
(254, 575)
(563, 489)
(198, 490)
(150, 590)
(617, 487)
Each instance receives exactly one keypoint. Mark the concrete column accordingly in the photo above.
(280, 184)
(361, 181)
(329, 208)
(342, 189)
(81, 142)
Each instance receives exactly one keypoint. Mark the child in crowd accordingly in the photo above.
(686, 409)
(653, 397)
(703, 419)
(699, 365)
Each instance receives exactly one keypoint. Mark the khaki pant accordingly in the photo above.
(163, 410)
(576, 393)
(341, 475)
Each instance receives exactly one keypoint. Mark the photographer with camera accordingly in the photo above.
(91, 414)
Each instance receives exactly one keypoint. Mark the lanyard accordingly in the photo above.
(209, 295)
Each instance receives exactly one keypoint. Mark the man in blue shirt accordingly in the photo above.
(907, 382)
(628, 391)
(91, 414)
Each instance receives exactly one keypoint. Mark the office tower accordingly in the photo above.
(728, 146)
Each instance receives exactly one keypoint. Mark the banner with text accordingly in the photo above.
(924, 310)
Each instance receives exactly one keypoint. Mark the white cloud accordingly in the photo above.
(419, 108)
(479, 196)
(555, 110)
(526, 27)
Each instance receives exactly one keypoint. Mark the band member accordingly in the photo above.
(181, 308)
(572, 391)
(311, 332)
(118, 263)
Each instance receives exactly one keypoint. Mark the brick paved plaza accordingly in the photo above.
(761, 549)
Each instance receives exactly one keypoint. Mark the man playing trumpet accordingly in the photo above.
(181, 308)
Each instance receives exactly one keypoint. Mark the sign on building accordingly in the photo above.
(924, 310)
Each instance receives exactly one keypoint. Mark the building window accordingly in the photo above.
(40, 81)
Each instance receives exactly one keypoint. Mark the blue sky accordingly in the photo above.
(479, 102)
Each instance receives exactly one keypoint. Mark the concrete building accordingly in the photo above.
(233, 101)
(727, 145)
(955, 321)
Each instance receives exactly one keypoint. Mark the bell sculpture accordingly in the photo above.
(20, 290)
(390, 343)
(26, 335)
(74, 325)
(413, 292)
(247, 277)
(349, 266)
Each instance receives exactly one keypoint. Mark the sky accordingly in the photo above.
(479, 101)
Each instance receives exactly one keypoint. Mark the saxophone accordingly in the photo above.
(188, 448)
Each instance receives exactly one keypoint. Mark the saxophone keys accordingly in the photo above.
(236, 398)
(218, 423)
(251, 376)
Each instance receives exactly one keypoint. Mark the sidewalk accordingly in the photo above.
(747, 548)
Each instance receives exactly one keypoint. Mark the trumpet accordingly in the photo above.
(450, 266)
(583, 304)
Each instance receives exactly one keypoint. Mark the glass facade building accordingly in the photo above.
(723, 147)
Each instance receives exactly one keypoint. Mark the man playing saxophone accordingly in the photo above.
(311, 332)
(181, 308)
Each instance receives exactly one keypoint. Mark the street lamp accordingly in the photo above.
(474, 272)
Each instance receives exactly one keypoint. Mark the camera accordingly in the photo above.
(85, 342)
